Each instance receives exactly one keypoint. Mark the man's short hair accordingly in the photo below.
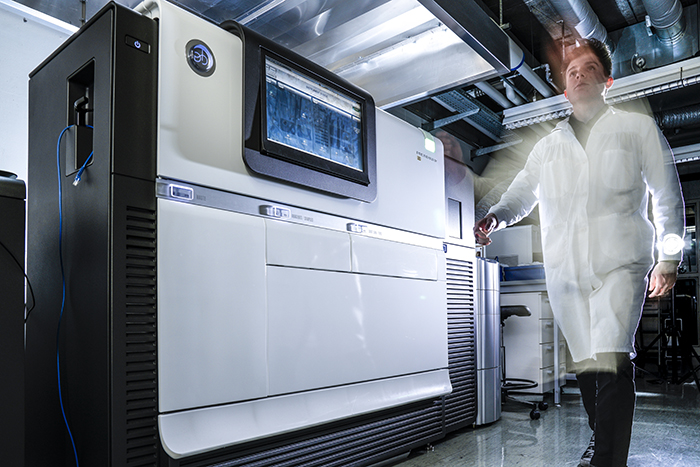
(598, 48)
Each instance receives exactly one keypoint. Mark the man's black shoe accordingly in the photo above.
(588, 453)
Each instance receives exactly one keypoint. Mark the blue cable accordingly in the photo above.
(82, 169)
(63, 280)
(87, 161)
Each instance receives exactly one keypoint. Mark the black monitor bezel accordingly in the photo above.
(294, 155)
(261, 161)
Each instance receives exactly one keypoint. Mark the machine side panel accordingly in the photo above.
(84, 343)
(76, 85)
(134, 387)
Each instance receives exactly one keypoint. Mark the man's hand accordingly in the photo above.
(483, 228)
(663, 278)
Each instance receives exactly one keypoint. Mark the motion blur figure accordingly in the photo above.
(592, 177)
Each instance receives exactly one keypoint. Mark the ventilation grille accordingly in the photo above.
(363, 443)
(141, 377)
(460, 405)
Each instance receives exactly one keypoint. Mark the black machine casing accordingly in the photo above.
(108, 331)
(12, 214)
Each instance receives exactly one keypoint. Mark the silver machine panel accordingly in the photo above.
(488, 334)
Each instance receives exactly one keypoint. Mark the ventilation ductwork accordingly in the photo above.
(678, 118)
(666, 17)
(579, 15)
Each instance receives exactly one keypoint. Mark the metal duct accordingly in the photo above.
(666, 16)
(580, 15)
(679, 117)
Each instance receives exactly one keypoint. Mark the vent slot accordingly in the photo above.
(336, 446)
(460, 405)
(141, 357)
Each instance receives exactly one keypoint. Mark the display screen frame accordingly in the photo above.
(263, 158)
(296, 155)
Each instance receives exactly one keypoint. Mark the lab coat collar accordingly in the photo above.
(564, 125)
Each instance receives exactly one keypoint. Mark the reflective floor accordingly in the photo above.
(666, 433)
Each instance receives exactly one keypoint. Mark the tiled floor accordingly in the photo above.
(666, 433)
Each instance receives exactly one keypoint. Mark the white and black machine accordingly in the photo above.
(251, 267)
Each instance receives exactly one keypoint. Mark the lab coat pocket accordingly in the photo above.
(620, 169)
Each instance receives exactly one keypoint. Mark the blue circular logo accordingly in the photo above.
(200, 58)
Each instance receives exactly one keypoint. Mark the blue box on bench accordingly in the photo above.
(523, 273)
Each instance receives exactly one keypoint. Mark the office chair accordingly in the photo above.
(517, 384)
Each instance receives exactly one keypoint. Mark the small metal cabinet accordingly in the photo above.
(529, 342)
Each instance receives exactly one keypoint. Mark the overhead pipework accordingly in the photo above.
(678, 118)
(494, 94)
(517, 63)
(579, 15)
(666, 17)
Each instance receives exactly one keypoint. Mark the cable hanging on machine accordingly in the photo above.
(29, 284)
(63, 281)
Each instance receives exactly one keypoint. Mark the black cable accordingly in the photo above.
(29, 284)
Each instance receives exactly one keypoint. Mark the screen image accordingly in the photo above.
(308, 116)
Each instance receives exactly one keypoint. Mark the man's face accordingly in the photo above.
(585, 79)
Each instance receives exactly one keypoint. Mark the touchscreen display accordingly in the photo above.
(306, 115)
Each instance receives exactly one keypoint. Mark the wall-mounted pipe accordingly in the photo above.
(666, 16)
(579, 15)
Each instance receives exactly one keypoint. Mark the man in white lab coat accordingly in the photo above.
(592, 177)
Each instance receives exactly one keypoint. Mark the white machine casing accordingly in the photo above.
(281, 307)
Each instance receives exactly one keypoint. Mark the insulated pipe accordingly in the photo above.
(679, 117)
(494, 94)
(517, 63)
(512, 96)
(579, 15)
(666, 17)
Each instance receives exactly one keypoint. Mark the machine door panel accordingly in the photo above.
(332, 328)
(211, 314)
(385, 258)
(303, 246)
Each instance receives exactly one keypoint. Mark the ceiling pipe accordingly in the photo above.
(517, 63)
(579, 15)
(666, 16)
(494, 94)
(511, 93)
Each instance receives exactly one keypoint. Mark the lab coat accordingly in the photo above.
(597, 240)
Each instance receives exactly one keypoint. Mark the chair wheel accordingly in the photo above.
(534, 414)
(543, 405)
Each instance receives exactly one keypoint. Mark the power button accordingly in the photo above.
(138, 44)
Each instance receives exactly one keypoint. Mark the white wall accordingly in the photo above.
(27, 38)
